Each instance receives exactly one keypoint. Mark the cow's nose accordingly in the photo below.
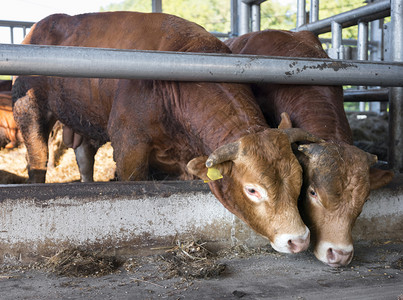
(299, 244)
(338, 257)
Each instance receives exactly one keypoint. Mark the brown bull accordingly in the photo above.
(10, 136)
(337, 175)
(161, 126)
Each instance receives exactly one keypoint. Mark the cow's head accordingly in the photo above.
(337, 182)
(261, 184)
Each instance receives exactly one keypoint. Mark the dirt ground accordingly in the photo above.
(376, 272)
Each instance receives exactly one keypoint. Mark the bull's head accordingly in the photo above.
(261, 184)
(337, 182)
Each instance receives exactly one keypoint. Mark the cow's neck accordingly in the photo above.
(318, 110)
(223, 115)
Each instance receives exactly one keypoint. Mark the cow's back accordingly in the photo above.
(278, 43)
(71, 99)
(317, 109)
(124, 30)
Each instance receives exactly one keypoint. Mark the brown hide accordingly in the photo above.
(159, 126)
(10, 136)
(5, 85)
(336, 174)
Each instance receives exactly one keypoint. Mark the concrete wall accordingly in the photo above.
(128, 218)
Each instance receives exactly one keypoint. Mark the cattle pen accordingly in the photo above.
(123, 220)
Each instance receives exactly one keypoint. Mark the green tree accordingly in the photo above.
(278, 15)
(213, 15)
(331, 8)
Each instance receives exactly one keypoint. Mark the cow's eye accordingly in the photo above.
(255, 193)
(313, 196)
(313, 193)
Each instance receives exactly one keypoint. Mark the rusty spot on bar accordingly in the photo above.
(336, 66)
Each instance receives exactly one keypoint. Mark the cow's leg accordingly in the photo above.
(132, 161)
(132, 129)
(12, 134)
(131, 151)
(85, 157)
(33, 121)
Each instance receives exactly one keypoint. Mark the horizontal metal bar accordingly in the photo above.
(16, 23)
(251, 2)
(349, 42)
(371, 95)
(370, 12)
(220, 34)
(136, 64)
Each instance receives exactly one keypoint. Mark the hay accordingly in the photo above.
(79, 263)
(13, 161)
(14, 164)
(398, 264)
(243, 251)
(191, 260)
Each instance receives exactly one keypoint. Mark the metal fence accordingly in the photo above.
(91, 62)
(384, 42)
(16, 24)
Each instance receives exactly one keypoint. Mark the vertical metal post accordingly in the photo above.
(234, 18)
(362, 45)
(336, 52)
(396, 93)
(362, 50)
(314, 12)
(255, 16)
(244, 17)
(376, 37)
(156, 6)
(376, 54)
(301, 13)
(12, 35)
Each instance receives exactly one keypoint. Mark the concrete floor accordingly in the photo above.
(376, 272)
(128, 218)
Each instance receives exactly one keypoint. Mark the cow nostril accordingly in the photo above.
(330, 254)
(297, 245)
(291, 245)
(338, 257)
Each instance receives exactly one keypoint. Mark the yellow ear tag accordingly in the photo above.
(213, 174)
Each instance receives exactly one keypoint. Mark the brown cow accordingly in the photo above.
(337, 175)
(162, 125)
(10, 136)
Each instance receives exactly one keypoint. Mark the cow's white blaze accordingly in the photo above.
(291, 243)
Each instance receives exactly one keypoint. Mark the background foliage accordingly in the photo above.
(214, 15)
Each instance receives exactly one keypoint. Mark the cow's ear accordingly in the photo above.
(378, 178)
(285, 122)
(197, 167)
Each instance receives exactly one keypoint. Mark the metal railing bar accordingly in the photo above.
(159, 65)
(367, 13)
